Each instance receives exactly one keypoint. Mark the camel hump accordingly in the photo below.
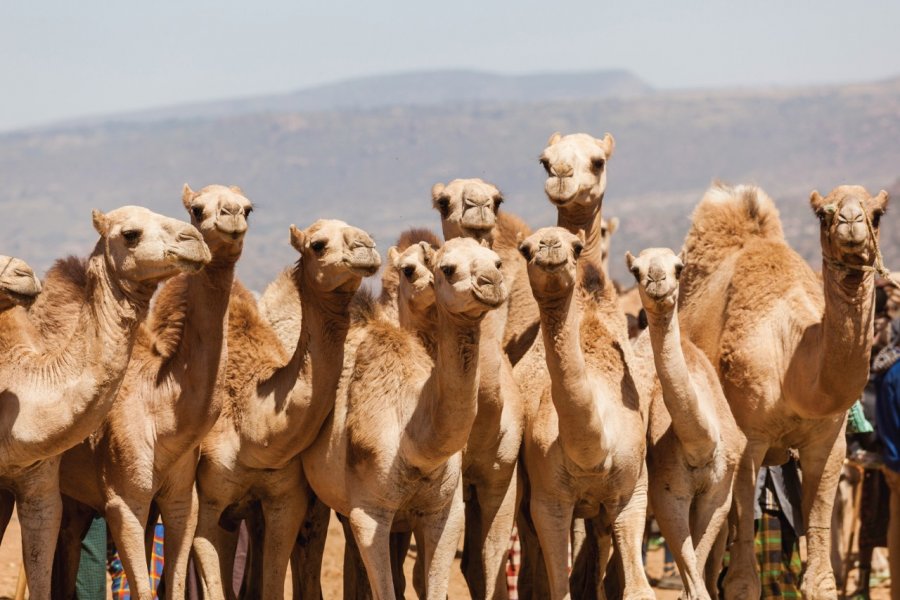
(414, 235)
(734, 213)
(364, 307)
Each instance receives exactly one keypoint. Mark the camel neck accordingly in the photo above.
(490, 400)
(846, 338)
(692, 416)
(449, 404)
(422, 323)
(585, 220)
(581, 429)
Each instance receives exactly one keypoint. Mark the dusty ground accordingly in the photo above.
(332, 584)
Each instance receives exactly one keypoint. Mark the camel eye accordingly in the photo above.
(499, 264)
(409, 271)
(247, 212)
(131, 236)
(598, 164)
(498, 200)
(876, 218)
(678, 268)
(318, 246)
(444, 206)
(525, 251)
(197, 211)
(636, 271)
(448, 270)
(546, 164)
(577, 248)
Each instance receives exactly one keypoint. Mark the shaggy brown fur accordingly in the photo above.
(65, 285)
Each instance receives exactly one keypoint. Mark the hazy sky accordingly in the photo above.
(60, 58)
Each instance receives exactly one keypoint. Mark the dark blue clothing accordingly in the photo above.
(887, 417)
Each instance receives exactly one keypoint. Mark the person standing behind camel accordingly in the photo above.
(887, 412)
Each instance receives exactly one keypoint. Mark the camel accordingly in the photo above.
(389, 458)
(19, 286)
(607, 228)
(694, 444)
(470, 208)
(63, 362)
(177, 360)
(585, 444)
(274, 405)
(791, 350)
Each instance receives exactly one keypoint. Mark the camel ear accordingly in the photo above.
(629, 260)
(236, 189)
(485, 243)
(679, 266)
(682, 256)
(436, 190)
(187, 194)
(816, 201)
(554, 138)
(881, 200)
(609, 145)
(298, 238)
(612, 225)
(101, 223)
(428, 252)
(393, 254)
(525, 249)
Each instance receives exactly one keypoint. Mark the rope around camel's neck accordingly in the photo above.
(878, 265)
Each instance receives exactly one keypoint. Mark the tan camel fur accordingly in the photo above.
(470, 208)
(584, 448)
(275, 404)
(390, 456)
(792, 356)
(63, 362)
(694, 443)
(19, 286)
(607, 228)
(177, 360)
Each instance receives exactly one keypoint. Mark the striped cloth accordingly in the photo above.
(512, 565)
(778, 555)
(117, 570)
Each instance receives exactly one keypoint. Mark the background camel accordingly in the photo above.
(468, 209)
(389, 458)
(275, 404)
(177, 360)
(19, 286)
(791, 358)
(584, 446)
(63, 362)
(694, 443)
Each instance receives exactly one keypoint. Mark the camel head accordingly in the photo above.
(552, 256)
(143, 247)
(607, 229)
(657, 271)
(18, 283)
(576, 168)
(220, 213)
(468, 208)
(415, 267)
(335, 256)
(467, 278)
(846, 215)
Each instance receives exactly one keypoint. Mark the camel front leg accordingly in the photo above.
(214, 549)
(76, 521)
(7, 503)
(40, 513)
(497, 514)
(821, 463)
(283, 514)
(628, 532)
(440, 537)
(306, 558)
(371, 529)
(672, 509)
(127, 519)
(552, 518)
(178, 506)
(742, 579)
(707, 526)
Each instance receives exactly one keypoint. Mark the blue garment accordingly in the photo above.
(887, 417)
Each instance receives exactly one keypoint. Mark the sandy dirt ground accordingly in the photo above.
(332, 583)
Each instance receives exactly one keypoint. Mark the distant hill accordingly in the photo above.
(374, 167)
(425, 88)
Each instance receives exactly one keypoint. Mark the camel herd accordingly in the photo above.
(492, 384)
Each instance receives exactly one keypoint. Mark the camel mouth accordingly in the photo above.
(23, 298)
(492, 300)
(187, 265)
(479, 232)
(363, 270)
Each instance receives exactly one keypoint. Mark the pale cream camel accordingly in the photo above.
(694, 443)
(177, 360)
(468, 209)
(607, 228)
(791, 358)
(576, 167)
(63, 362)
(390, 456)
(19, 286)
(584, 446)
(275, 404)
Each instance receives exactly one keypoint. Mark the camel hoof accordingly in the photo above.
(819, 586)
